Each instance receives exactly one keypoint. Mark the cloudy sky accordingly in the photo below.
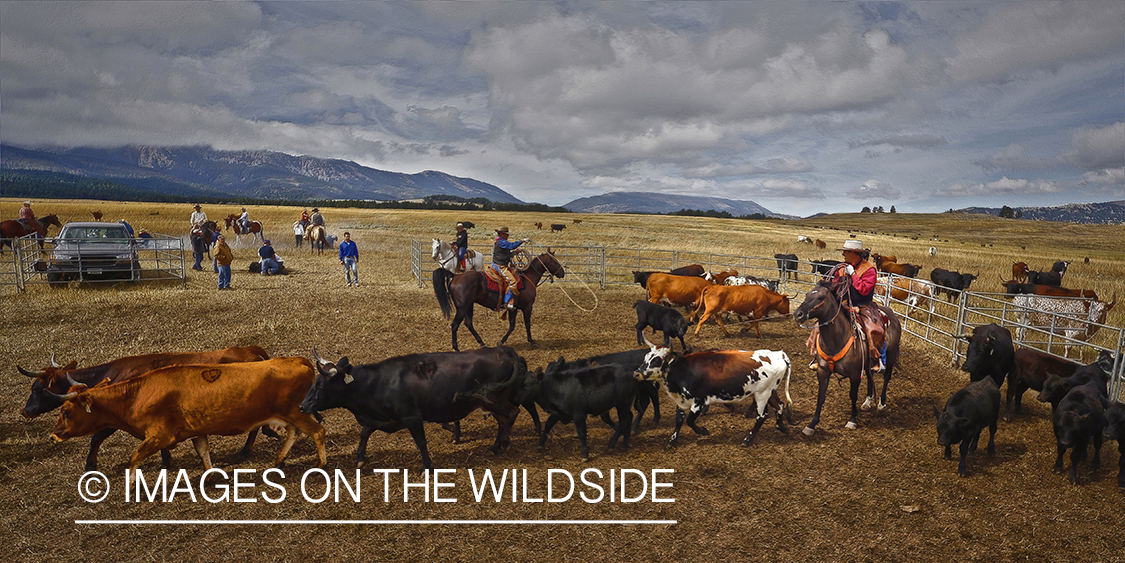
(799, 106)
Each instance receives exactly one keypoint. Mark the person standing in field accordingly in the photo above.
(223, 258)
(298, 232)
(349, 258)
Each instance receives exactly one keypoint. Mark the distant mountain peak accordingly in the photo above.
(646, 202)
(1109, 213)
(247, 173)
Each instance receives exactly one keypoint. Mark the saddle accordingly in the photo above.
(495, 282)
(870, 320)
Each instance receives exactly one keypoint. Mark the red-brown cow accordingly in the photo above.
(169, 405)
(752, 301)
(880, 259)
(906, 270)
(676, 290)
(1019, 271)
(54, 380)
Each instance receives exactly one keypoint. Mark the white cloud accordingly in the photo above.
(1097, 147)
(875, 189)
(1003, 186)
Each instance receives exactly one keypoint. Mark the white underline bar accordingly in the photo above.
(381, 522)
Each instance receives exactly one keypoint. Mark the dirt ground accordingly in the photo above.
(882, 492)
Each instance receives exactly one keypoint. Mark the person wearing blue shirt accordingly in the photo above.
(349, 257)
(268, 257)
(501, 258)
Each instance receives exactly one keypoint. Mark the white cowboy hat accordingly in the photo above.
(852, 244)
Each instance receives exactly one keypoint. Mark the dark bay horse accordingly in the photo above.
(255, 229)
(11, 229)
(470, 288)
(846, 353)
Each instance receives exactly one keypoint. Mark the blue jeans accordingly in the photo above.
(351, 268)
(224, 276)
(269, 266)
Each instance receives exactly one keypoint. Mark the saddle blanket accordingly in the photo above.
(493, 283)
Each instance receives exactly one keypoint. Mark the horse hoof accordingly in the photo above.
(882, 406)
(808, 431)
(866, 405)
(360, 464)
(851, 425)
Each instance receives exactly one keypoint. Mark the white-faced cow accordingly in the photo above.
(696, 380)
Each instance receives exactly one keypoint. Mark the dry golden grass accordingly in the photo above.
(835, 496)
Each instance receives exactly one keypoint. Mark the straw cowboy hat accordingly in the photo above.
(197, 206)
(852, 244)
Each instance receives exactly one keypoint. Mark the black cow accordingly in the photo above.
(951, 283)
(990, 353)
(1115, 430)
(467, 224)
(642, 278)
(665, 319)
(1053, 279)
(786, 264)
(822, 267)
(647, 392)
(1080, 417)
(1033, 367)
(691, 270)
(966, 414)
(557, 227)
(1056, 387)
(1060, 266)
(570, 394)
(406, 391)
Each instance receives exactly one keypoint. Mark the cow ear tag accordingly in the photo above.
(348, 378)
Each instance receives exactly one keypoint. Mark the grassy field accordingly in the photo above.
(882, 492)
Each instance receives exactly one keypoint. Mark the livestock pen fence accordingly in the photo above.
(25, 263)
(932, 319)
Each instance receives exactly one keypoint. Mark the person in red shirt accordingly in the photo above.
(859, 277)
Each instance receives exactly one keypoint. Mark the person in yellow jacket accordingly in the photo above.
(223, 258)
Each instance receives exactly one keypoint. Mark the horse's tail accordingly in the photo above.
(441, 280)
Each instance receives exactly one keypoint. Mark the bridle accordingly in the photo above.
(546, 270)
(441, 262)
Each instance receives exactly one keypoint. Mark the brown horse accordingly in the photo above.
(14, 229)
(317, 239)
(255, 229)
(842, 352)
(470, 288)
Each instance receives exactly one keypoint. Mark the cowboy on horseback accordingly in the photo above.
(27, 216)
(244, 220)
(855, 281)
(462, 246)
(501, 260)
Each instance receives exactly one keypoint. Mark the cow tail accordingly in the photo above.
(441, 280)
(787, 408)
(699, 308)
(484, 392)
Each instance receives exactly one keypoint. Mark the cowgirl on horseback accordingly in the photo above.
(859, 277)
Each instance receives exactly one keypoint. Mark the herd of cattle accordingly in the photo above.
(164, 399)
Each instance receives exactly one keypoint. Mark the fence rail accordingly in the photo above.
(932, 319)
(29, 263)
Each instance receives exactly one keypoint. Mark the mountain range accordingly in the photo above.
(643, 202)
(1109, 213)
(254, 174)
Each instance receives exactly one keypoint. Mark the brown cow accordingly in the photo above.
(690, 270)
(539, 225)
(577, 221)
(907, 270)
(97, 215)
(821, 244)
(880, 259)
(916, 293)
(752, 301)
(169, 405)
(1015, 288)
(1019, 271)
(721, 277)
(54, 380)
(676, 290)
